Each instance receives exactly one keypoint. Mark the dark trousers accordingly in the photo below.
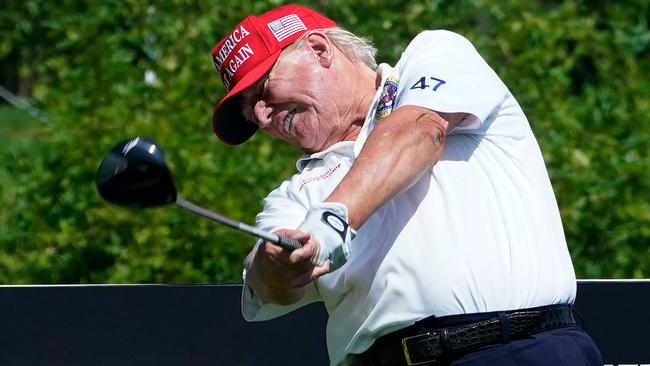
(564, 346)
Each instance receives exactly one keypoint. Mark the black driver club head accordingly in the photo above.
(134, 173)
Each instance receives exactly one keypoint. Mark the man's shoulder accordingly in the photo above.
(438, 36)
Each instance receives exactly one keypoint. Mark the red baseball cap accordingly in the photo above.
(247, 53)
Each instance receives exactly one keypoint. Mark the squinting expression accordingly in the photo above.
(293, 102)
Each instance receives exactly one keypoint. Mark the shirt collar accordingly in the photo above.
(384, 71)
(341, 148)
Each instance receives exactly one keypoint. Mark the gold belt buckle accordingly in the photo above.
(405, 349)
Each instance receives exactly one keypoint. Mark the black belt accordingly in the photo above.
(432, 340)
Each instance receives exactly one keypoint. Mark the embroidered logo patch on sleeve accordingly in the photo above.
(387, 98)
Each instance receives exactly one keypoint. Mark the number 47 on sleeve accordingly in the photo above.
(422, 83)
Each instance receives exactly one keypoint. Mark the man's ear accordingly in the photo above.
(321, 46)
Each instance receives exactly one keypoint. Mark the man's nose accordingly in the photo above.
(262, 113)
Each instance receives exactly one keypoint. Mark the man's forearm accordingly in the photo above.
(398, 151)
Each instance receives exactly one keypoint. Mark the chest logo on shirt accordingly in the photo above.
(324, 176)
(387, 98)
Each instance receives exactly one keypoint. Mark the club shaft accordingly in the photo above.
(286, 243)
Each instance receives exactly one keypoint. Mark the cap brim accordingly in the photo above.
(228, 122)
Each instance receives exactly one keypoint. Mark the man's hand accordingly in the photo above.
(327, 223)
(280, 276)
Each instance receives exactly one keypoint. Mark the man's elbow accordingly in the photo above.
(433, 128)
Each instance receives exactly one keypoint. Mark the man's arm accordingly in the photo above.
(397, 152)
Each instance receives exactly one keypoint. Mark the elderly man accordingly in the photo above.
(429, 226)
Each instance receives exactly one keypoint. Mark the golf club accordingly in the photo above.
(134, 173)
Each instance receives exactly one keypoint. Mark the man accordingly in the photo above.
(429, 226)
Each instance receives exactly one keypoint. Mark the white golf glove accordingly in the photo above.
(328, 223)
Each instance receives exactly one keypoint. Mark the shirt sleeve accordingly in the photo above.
(254, 309)
(442, 71)
(281, 211)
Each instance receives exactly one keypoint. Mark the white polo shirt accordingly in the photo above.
(480, 232)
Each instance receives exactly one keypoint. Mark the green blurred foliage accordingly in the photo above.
(578, 68)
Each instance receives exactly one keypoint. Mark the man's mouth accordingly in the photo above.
(286, 124)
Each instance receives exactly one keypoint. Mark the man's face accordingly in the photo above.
(295, 101)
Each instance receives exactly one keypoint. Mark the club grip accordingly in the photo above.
(288, 243)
